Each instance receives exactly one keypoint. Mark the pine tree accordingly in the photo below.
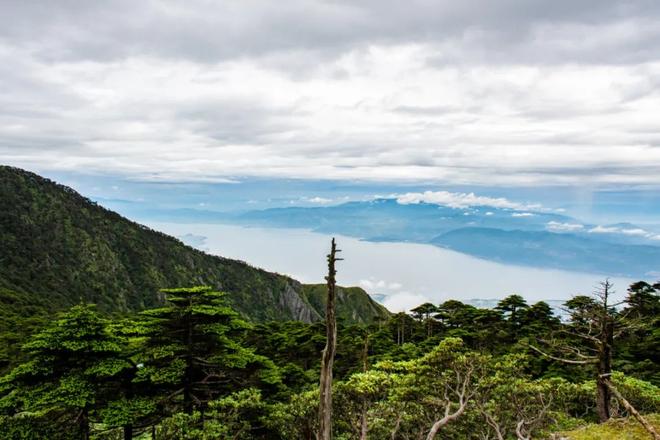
(193, 353)
(70, 365)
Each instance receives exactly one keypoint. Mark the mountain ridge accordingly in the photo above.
(59, 245)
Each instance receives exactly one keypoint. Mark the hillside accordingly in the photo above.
(60, 248)
(353, 303)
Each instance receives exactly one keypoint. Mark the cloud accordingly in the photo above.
(463, 201)
(319, 200)
(522, 214)
(377, 286)
(636, 232)
(472, 92)
(563, 227)
(403, 301)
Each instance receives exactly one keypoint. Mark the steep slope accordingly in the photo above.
(61, 247)
(353, 303)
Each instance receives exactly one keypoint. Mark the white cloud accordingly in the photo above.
(604, 230)
(319, 200)
(522, 214)
(461, 200)
(636, 232)
(472, 92)
(490, 213)
(563, 227)
(377, 286)
(403, 301)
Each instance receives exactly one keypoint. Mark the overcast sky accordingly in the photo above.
(474, 92)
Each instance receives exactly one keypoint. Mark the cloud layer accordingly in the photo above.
(464, 200)
(472, 92)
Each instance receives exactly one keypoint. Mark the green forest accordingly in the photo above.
(196, 369)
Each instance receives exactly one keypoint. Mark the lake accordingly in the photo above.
(407, 274)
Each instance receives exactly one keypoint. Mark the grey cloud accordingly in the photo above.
(535, 30)
(456, 91)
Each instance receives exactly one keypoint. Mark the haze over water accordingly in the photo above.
(409, 274)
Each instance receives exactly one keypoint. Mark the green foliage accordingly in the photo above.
(67, 372)
(193, 351)
(354, 305)
(59, 248)
(615, 429)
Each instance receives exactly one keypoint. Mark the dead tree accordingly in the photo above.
(328, 356)
(631, 409)
(596, 325)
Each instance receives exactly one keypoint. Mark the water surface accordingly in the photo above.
(407, 273)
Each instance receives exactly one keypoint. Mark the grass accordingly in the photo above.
(615, 429)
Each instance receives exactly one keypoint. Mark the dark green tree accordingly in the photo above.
(193, 350)
(70, 365)
(643, 300)
(512, 307)
(425, 313)
(538, 318)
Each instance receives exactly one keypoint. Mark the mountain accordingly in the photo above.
(58, 248)
(353, 303)
(547, 249)
(524, 237)
(387, 219)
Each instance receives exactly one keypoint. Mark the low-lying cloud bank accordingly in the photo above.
(461, 200)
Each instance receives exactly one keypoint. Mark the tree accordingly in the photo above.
(455, 314)
(432, 391)
(642, 300)
(70, 365)
(511, 403)
(356, 398)
(328, 356)
(539, 318)
(590, 339)
(512, 307)
(424, 312)
(637, 349)
(193, 353)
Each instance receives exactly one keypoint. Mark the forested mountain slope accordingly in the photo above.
(60, 248)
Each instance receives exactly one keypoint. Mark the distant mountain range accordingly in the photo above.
(522, 237)
(527, 237)
(58, 248)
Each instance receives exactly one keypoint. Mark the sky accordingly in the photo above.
(473, 93)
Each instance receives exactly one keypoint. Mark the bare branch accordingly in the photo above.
(566, 361)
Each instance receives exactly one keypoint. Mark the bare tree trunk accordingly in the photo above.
(446, 419)
(187, 378)
(519, 433)
(364, 427)
(128, 432)
(84, 425)
(396, 426)
(631, 410)
(328, 357)
(604, 356)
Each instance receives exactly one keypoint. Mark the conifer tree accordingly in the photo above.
(70, 365)
(192, 347)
